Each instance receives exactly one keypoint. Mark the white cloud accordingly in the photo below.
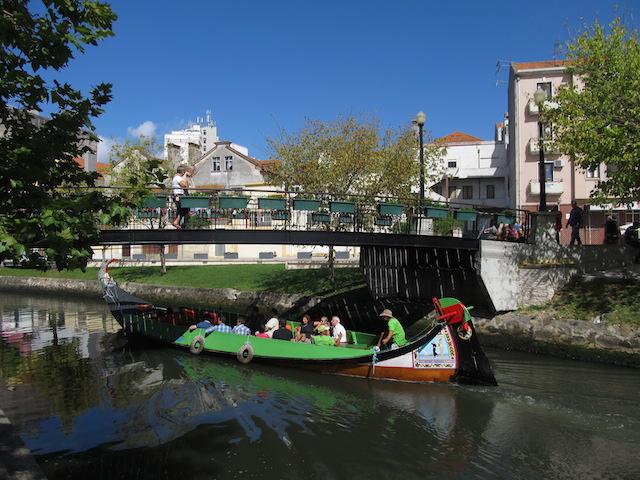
(104, 149)
(145, 129)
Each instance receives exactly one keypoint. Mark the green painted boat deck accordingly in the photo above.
(361, 343)
(270, 348)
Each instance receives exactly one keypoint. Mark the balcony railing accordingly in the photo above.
(549, 148)
(551, 187)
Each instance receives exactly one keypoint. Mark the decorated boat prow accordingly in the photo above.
(447, 350)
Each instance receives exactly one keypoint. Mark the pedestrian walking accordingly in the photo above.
(575, 222)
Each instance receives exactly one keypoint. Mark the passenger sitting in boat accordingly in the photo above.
(395, 332)
(339, 332)
(272, 324)
(262, 333)
(323, 321)
(305, 330)
(282, 333)
(205, 324)
(222, 327)
(324, 338)
(241, 328)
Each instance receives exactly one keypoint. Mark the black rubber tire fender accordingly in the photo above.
(197, 345)
(245, 354)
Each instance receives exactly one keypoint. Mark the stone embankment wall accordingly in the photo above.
(518, 275)
(223, 298)
(577, 339)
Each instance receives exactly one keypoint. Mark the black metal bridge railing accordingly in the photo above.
(263, 209)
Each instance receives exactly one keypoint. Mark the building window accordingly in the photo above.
(548, 171)
(595, 173)
(215, 164)
(491, 191)
(453, 192)
(546, 88)
(228, 163)
(467, 192)
(452, 164)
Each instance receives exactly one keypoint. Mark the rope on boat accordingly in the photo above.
(374, 359)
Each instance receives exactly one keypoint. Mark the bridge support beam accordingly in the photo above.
(421, 273)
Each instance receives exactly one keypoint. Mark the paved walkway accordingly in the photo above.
(16, 461)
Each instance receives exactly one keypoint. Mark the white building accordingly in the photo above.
(476, 171)
(202, 134)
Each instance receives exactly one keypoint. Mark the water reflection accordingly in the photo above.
(89, 402)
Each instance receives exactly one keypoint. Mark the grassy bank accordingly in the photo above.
(615, 302)
(271, 277)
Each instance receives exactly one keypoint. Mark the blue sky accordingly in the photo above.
(262, 65)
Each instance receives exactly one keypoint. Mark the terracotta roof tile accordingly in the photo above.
(518, 66)
(100, 167)
(458, 137)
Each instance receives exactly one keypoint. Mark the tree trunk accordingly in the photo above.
(163, 265)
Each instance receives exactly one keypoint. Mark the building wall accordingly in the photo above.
(477, 165)
(527, 126)
(243, 172)
(575, 184)
(203, 136)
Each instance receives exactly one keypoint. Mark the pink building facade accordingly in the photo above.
(564, 182)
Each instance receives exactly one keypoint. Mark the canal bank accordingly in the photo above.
(534, 331)
(227, 299)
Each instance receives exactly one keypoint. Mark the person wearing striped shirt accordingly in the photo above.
(221, 327)
(241, 328)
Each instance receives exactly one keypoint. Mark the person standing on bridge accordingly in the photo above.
(178, 185)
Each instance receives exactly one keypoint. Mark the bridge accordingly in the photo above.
(407, 250)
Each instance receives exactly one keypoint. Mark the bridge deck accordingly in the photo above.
(289, 237)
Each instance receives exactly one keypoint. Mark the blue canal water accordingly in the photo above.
(92, 405)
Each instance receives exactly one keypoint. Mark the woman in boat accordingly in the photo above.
(261, 333)
(305, 330)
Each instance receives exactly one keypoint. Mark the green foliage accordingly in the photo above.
(137, 170)
(444, 226)
(46, 196)
(351, 156)
(617, 303)
(597, 118)
(257, 277)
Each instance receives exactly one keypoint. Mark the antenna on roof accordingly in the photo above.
(499, 65)
(557, 50)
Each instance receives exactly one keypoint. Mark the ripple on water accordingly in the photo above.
(88, 401)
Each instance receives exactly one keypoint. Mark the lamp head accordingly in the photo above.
(539, 97)
(421, 118)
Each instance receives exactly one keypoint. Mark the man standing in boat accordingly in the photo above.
(394, 337)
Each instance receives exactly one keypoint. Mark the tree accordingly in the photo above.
(47, 199)
(352, 157)
(597, 117)
(349, 156)
(138, 169)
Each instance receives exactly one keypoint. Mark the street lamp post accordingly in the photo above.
(539, 97)
(420, 120)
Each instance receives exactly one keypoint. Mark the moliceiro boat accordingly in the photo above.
(446, 351)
